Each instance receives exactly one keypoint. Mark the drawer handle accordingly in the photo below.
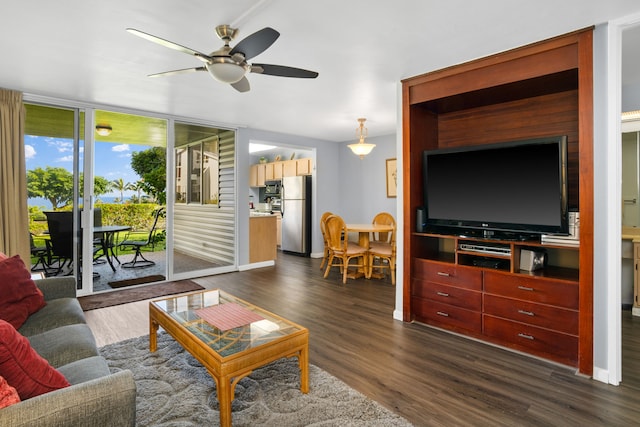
(442, 273)
(442, 313)
(442, 294)
(525, 288)
(527, 336)
(528, 313)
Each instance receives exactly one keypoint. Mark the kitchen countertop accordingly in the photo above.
(257, 214)
(631, 233)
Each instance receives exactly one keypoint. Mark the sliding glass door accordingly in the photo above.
(107, 175)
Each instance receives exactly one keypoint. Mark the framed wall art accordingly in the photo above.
(392, 178)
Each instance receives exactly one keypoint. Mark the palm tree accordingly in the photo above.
(119, 185)
(138, 187)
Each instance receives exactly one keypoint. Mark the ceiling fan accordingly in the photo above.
(229, 65)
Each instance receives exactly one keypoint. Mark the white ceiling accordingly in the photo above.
(79, 50)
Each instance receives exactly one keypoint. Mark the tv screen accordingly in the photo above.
(501, 189)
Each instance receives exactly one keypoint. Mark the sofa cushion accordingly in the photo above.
(23, 368)
(65, 344)
(58, 312)
(8, 394)
(84, 370)
(19, 296)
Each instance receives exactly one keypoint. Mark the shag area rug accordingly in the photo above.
(174, 389)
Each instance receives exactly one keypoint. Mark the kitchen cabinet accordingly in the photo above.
(290, 168)
(303, 166)
(257, 175)
(262, 238)
(275, 171)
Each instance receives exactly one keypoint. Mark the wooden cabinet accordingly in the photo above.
(262, 238)
(275, 171)
(257, 175)
(290, 168)
(539, 90)
(535, 312)
(303, 166)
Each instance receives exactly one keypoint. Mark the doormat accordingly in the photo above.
(136, 281)
(108, 299)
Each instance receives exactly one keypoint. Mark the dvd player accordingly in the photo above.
(485, 249)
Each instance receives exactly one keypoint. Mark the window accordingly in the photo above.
(197, 166)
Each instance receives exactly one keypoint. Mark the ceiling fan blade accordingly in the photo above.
(283, 71)
(242, 85)
(170, 45)
(182, 71)
(256, 43)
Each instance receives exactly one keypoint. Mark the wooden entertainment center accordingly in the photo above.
(543, 89)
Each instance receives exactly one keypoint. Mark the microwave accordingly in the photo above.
(272, 188)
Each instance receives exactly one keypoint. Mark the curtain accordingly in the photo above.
(14, 214)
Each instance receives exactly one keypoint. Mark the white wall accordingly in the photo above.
(363, 190)
(325, 185)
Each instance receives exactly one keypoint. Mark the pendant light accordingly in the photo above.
(361, 148)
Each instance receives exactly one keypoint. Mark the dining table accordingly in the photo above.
(364, 230)
(107, 234)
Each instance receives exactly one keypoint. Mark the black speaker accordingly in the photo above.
(421, 219)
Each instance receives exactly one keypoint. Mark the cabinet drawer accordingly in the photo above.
(546, 291)
(447, 316)
(451, 295)
(449, 274)
(563, 346)
(559, 319)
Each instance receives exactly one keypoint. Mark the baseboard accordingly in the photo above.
(397, 315)
(601, 375)
(315, 255)
(255, 265)
(635, 311)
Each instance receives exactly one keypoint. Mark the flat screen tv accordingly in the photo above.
(510, 190)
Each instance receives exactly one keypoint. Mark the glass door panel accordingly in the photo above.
(129, 168)
(204, 205)
(52, 149)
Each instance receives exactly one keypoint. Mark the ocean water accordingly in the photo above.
(45, 205)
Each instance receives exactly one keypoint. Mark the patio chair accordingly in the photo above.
(42, 255)
(139, 260)
(61, 238)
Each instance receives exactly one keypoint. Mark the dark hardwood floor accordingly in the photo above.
(431, 377)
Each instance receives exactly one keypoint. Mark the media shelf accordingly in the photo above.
(562, 261)
(535, 91)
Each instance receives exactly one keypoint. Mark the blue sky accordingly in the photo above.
(112, 160)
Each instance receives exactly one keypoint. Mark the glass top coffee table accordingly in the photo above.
(230, 337)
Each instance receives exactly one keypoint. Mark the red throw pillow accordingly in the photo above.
(8, 394)
(3, 256)
(19, 295)
(25, 369)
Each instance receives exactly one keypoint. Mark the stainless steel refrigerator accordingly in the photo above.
(295, 195)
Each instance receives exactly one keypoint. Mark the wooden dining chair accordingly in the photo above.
(341, 250)
(382, 247)
(323, 230)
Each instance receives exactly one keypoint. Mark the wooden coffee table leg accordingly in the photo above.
(303, 360)
(224, 399)
(153, 335)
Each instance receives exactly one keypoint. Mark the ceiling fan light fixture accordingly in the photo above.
(226, 70)
(103, 130)
(361, 148)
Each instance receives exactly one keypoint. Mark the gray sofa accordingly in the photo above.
(97, 397)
